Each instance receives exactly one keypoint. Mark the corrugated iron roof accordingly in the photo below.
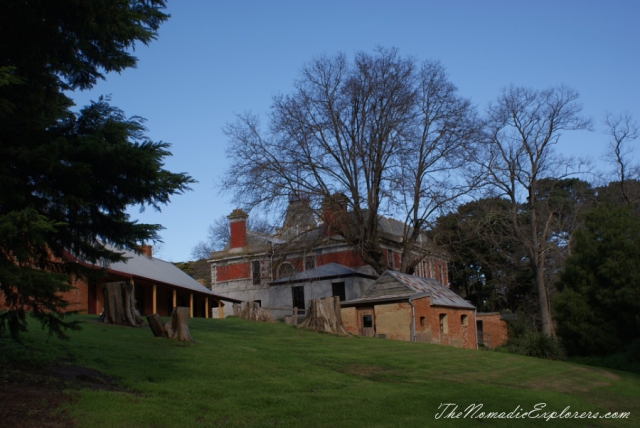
(161, 271)
(330, 270)
(395, 286)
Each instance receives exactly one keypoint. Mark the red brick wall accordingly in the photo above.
(493, 325)
(233, 271)
(463, 336)
(422, 308)
(238, 234)
(394, 320)
(348, 258)
(440, 272)
(78, 297)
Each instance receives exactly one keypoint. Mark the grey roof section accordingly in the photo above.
(392, 226)
(158, 270)
(399, 286)
(330, 270)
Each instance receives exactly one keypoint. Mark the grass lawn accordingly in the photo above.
(242, 373)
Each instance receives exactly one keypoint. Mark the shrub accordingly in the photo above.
(536, 344)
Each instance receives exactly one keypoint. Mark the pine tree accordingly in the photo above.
(66, 179)
(598, 306)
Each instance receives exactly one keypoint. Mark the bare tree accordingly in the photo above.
(622, 130)
(385, 133)
(524, 125)
(219, 234)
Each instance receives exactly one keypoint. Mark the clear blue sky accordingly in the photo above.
(217, 58)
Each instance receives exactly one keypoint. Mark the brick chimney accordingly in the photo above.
(238, 225)
(334, 213)
(146, 250)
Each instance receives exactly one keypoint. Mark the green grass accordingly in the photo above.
(242, 373)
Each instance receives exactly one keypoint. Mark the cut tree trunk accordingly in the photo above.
(120, 304)
(324, 315)
(155, 322)
(252, 311)
(178, 327)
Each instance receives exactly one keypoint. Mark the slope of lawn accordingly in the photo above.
(242, 373)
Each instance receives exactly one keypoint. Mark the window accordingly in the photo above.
(258, 302)
(444, 325)
(255, 267)
(422, 321)
(337, 289)
(390, 259)
(464, 320)
(309, 262)
(367, 321)
(297, 295)
(285, 270)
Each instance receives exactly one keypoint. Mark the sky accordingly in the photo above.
(215, 59)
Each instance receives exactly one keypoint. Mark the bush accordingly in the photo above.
(535, 344)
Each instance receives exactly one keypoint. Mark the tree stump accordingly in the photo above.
(120, 304)
(252, 311)
(324, 315)
(156, 325)
(178, 327)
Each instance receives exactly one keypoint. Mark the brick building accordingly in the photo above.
(405, 307)
(159, 287)
(284, 269)
(492, 329)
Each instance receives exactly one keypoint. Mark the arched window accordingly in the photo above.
(444, 324)
(464, 320)
(285, 270)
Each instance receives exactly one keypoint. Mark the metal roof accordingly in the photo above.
(399, 286)
(160, 271)
(328, 271)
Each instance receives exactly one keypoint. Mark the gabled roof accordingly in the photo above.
(328, 271)
(400, 286)
(160, 271)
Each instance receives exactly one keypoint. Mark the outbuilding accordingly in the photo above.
(405, 307)
(159, 287)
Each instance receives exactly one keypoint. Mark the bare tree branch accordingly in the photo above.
(388, 133)
(622, 130)
(524, 125)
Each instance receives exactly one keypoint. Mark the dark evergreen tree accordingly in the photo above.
(599, 301)
(487, 265)
(67, 178)
(490, 265)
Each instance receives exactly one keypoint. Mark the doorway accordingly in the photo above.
(367, 323)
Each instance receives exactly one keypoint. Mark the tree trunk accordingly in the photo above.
(538, 255)
(324, 315)
(120, 304)
(178, 327)
(252, 311)
(156, 325)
